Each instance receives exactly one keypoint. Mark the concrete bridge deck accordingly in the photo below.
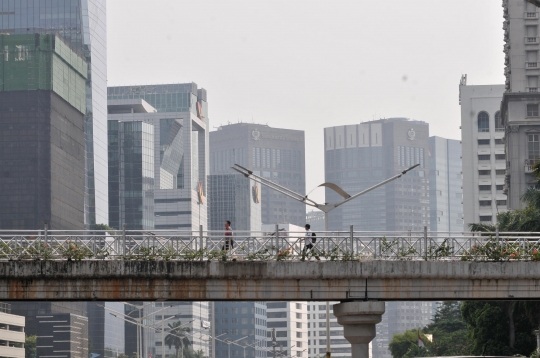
(110, 280)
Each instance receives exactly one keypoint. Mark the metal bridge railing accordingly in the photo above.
(267, 246)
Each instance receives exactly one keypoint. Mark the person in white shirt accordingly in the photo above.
(308, 243)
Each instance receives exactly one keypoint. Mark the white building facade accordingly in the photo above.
(483, 158)
(521, 100)
(289, 319)
(339, 346)
(11, 335)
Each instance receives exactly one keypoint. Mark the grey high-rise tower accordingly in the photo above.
(274, 153)
(83, 24)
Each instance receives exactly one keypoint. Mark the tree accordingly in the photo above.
(199, 354)
(122, 355)
(450, 334)
(30, 350)
(499, 328)
(406, 344)
(177, 337)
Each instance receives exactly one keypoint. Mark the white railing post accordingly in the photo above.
(425, 244)
(46, 233)
(351, 247)
(201, 239)
(124, 248)
(277, 241)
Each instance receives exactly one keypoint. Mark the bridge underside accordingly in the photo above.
(289, 281)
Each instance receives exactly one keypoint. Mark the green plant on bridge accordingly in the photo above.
(440, 251)
(40, 251)
(74, 251)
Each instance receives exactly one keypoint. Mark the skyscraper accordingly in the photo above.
(83, 24)
(105, 331)
(484, 160)
(235, 198)
(289, 319)
(274, 153)
(361, 155)
(521, 100)
(317, 332)
(178, 114)
(445, 185)
(42, 105)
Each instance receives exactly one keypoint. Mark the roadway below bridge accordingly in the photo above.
(116, 280)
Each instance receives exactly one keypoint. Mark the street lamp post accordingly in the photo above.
(326, 208)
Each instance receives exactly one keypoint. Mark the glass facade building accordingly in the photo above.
(234, 320)
(445, 185)
(42, 104)
(131, 175)
(235, 198)
(105, 332)
(179, 115)
(360, 156)
(274, 153)
(83, 24)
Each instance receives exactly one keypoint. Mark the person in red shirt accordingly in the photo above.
(229, 243)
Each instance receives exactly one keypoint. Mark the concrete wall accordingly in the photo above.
(268, 281)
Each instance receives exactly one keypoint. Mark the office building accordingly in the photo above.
(235, 198)
(361, 155)
(484, 160)
(274, 153)
(131, 175)
(12, 335)
(244, 322)
(83, 24)
(521, 99)
(105, 331)
(399, 317)
(317, 332)
(445, 185)
(62, 335)
(138, 325)
(192, 315)
(42, 100)
(179, 116)
(315, 219)
(289, 319)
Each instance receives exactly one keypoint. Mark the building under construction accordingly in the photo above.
(42, 101)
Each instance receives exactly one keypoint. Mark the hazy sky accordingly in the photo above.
(310, 64)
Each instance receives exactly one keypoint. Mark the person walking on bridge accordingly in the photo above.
(308, 243)
(229, 243)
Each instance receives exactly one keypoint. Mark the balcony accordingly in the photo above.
(530, 15)
(529, 165)
(531, 65)
(532, 89)
(531, 40)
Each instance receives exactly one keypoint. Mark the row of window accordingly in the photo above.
(488, 172)
(488, 187)
(488, 202)
(488, 141)
(483, 122)
(488, 156)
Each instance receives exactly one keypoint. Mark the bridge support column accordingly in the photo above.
(358, 320)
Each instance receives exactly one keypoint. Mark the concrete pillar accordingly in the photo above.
(358, 320)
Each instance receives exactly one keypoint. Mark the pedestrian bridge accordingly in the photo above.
(341, 266)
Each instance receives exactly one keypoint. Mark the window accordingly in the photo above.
(234, 320)
(485, 202)
(483, 122)
(499, 187)
(485, 218)
(298, 334)
(500, 172)
(483, 141)
(298, 306)
(298, 324)
(276, 315)
(484, 156)
(532, 110)
(501, 202)
(484, 172)
(499, 141)
(533, 146)
(298, 315)
(500, 156)
(484, 187)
